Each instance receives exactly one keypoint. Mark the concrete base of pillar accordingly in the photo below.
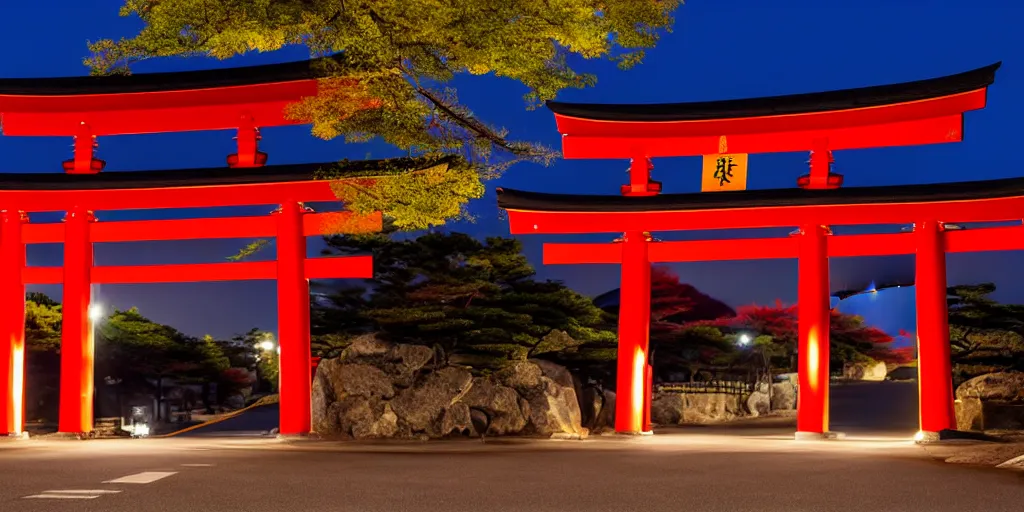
(635, 434)
(14, 437)
(312, 436)
(818, 436)
(923, 437)
(809, 436)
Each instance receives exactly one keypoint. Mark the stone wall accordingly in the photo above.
(709, 408)
(381, 390)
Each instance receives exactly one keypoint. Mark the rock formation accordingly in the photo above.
(874, 372)
(994, 401)
(382, 390)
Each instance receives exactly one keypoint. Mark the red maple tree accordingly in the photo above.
(850, 339)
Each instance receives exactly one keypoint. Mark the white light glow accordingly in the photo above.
(744, 339)
(18, 388)
(267, 345)
(919, 436)
(639, 374)
(95, 312)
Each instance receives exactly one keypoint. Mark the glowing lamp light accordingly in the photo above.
(639, 364)
(18, 389)
(95, 312)
(266, 345)
(919, 436)
(744, 339)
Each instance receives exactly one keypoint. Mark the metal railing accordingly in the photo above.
(732, 387)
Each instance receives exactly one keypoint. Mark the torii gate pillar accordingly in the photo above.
(935, 372)
(293, 322)
(813, 330)
(632, 374)
(12, 324)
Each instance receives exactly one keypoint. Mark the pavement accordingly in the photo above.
(749, 466)
(703, 471)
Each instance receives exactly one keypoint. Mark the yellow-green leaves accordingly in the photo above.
(416, 200)
(398, 60)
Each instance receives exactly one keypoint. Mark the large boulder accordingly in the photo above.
(422, 406)
(991, 402)
(874, 371)
(758, 403)
(606, 416)
(667, 408)
(1003, 387)
(500, 405)
(784, 396)
(376, 389)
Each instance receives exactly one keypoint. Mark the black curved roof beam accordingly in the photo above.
(751, 199)
(126, 180)
(806, 103)
(171, 81)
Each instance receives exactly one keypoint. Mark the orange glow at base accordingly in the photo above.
(637, 391)
(18, 389)
(813, 360)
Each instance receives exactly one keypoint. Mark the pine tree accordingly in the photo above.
(476, 302)
(986, 336)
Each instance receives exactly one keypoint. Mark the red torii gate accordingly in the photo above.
(240, 98)
(923, 112)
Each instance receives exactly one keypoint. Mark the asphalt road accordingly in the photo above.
(254, 422)
(881, 408)
(874, 408)
(700, 472)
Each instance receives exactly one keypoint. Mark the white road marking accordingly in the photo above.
(197, 465)
(146, 477)
(1014, 463)
(62, 497)
(89, 491)
(70, 494)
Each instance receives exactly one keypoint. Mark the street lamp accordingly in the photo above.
(744, 339)
(266, 345)
(95, 312)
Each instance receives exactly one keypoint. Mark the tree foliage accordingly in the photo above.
(476, 302)
(679, 341)
(392, 63)
(850, 339)
(42, 357)
(985, 336)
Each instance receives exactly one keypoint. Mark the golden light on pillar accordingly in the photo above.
(637, 389)
(813, 358)
(18, 388)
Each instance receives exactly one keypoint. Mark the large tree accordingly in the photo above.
(986, 336)
(476, 302)
(850, 339)
(679, 341)
(392, 65)
(42, 359)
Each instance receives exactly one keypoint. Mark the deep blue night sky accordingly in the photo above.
(719, 50)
